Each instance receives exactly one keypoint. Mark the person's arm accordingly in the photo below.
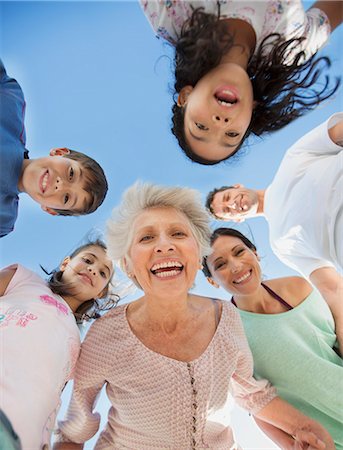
(333, 10)
(330, 284)
(82, 422)
(304, 430)
(260, 399)
(336, 132)
(282, 439)
(6, 276)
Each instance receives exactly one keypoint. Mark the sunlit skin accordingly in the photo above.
(234, 266)
(213, 128)
(55, 182)
(163, 235)
(238, 203)
(89, 272)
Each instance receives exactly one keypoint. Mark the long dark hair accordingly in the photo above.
(283, 91)
(89, 309)
(225, 232)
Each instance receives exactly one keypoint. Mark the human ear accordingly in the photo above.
(238, 186)
(183, 95)
(212, 282)
(64, 263)
(60, 151)
(127, 266)
(49, 210)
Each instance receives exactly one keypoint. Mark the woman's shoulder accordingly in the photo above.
(293, 289)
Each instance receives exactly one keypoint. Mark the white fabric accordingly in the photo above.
(304, 203)
(39, 346)
(286, 17)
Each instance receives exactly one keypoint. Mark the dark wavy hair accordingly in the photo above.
(95, 183)
(283, 91)
(225, 232)
(89, 309)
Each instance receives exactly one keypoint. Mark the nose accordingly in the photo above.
(92, 270)
(164, 245)
(220, 120)
(58, 184)
(235, 266)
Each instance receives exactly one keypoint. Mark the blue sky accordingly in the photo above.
(96, 80)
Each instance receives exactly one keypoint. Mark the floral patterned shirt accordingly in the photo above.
(286, 17)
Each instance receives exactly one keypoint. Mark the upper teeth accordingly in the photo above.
(45, 181)
(242, 278)
(224, 103)
(166, 264)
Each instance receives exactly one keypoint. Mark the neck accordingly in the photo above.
(256, 302)
(72, 303)
(244, 42)
(166, 312)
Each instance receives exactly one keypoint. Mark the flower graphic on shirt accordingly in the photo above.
(53, 302)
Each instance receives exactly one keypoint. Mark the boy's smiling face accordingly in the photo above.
(55, 182)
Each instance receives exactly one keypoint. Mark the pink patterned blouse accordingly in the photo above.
(158, 402)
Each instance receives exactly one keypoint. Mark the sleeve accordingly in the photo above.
(304, 263)
(317, 31)
(81, 423)
(317, 141)
(249, 393)
(21, 277)
(167, 18)
(3, 74)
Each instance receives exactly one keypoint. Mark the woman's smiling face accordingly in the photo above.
(218, 111)
(234, 266)
(164, 254)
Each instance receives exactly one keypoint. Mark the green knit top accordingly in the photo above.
(294, 350)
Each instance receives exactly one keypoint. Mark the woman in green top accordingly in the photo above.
(290, 330)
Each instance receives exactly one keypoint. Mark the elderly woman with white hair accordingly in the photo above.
(170, 358)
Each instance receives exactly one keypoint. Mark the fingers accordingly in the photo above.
(305, 439)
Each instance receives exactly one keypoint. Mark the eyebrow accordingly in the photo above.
(201, 139)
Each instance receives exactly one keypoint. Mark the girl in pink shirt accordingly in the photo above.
(39, 337)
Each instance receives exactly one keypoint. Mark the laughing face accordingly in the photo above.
(234, 266)
(164, 253)
(88, 273)
(236, 203)
(218, 111)
(55, 182)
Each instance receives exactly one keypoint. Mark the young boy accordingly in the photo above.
(64, 183)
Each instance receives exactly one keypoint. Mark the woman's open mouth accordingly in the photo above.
(167, 269)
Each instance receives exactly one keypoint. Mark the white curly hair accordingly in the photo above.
(141, 196)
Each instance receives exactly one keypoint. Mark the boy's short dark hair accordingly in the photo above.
(95, 184)
(210, 197)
